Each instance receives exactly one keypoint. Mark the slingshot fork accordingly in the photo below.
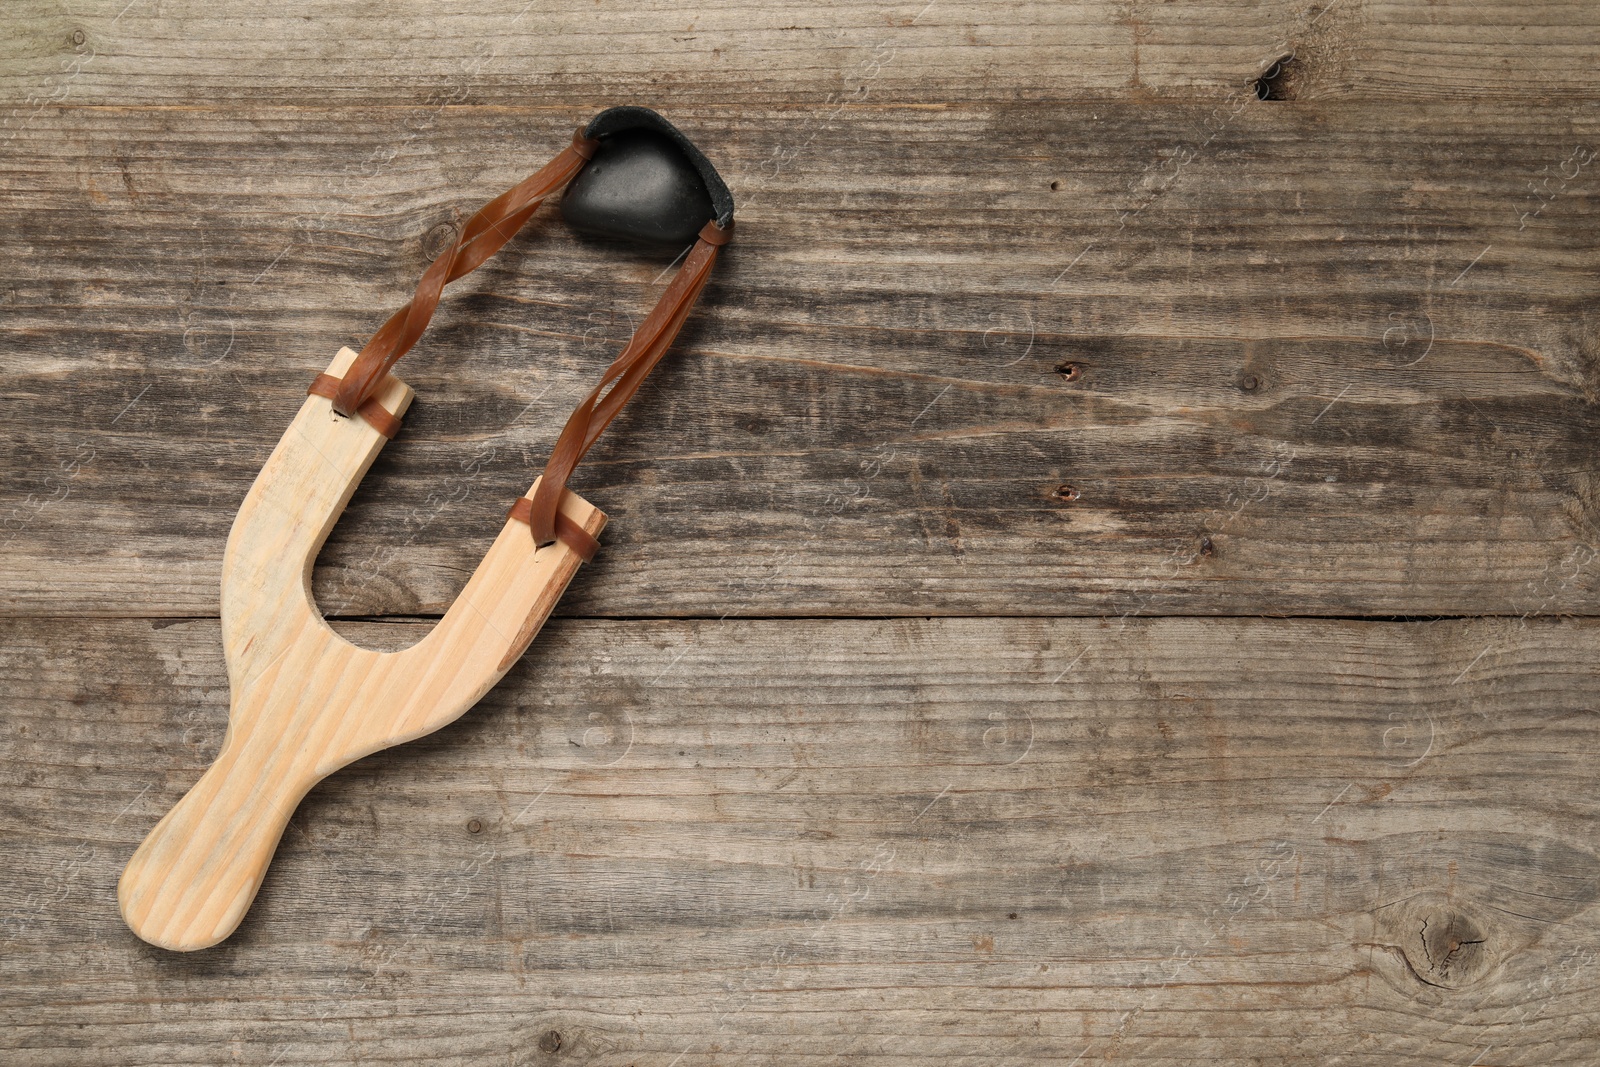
(306, 702)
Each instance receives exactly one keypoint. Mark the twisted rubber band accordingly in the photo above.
(483, 235)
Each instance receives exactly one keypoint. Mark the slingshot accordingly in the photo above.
(306, 702)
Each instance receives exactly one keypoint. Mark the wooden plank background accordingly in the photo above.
(1108, 575)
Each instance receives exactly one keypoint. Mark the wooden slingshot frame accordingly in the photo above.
(306, 702)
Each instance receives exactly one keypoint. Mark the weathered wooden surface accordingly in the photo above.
(1034, 310)
(998, 841)
(736, 53)
(1349, 346)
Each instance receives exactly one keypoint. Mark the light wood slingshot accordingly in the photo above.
(306, 702)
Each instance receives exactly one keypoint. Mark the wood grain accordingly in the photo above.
(304, 701)
(1039, 317)
(896, 842)
(1332, 364)
(740, 54)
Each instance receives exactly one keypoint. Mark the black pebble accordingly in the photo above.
(639, 185)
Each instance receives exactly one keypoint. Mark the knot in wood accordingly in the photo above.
(1444, 944)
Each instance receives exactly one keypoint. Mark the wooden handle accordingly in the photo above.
(191, 882)
(305, 701)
